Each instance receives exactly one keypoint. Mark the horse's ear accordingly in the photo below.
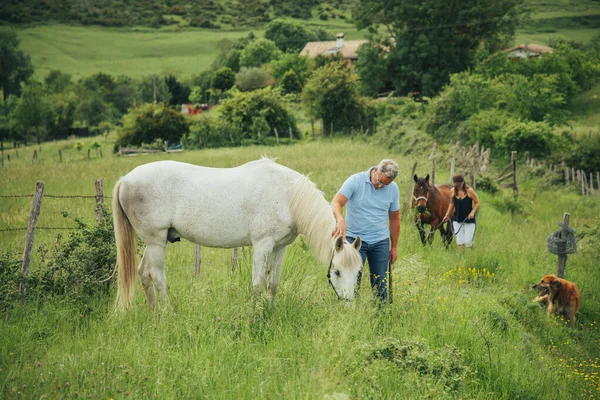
(427, 178)
(357, 243)
(416, 178)
(339, 243)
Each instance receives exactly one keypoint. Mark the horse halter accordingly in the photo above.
(426, 198)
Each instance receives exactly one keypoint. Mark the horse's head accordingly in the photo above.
(345, 268)
(421, 193)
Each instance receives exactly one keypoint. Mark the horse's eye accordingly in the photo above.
(337, 272)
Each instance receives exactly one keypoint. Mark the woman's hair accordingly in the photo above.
(460, 178)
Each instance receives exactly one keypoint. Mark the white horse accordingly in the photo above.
(260, 203)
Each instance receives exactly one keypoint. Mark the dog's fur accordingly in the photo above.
(561, 295)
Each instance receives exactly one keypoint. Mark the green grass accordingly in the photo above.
(83, 51)
(220, 343)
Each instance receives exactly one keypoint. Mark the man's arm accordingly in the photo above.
(338, 202)
(394, 234)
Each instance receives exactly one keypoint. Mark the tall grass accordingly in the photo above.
(462, 324)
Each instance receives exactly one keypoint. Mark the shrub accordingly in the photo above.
(79, 266)
(251, 79)
(585, 154)
(10, 278)
(149, 122)
(211, 133)
(487, 183)
(535, 137)
(244, 108)
(259, 52)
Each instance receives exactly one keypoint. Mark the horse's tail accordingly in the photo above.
(126, 253)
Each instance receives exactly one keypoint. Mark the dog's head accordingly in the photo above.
(549, 283)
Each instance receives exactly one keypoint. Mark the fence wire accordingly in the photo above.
(75, 196)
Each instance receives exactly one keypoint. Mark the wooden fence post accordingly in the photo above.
(432, 158)
(33, 157)
(234, 256)
(312, 125)
(291, 135)
(99, 201)
(276, 135)
(513, 158)
(562, 258)
(592, 183)
(322, 128)
(197, 261)
(410, 192)
(36, 206)
(60, 155)
(452, 163)
(566, 176)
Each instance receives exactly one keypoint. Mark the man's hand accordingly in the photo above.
(340, 228)
(393, 255)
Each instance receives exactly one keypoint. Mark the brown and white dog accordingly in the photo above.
(561, 295)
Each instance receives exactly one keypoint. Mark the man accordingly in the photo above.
(373, 213)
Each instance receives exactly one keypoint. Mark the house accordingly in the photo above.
(347, 48)
(524, 51)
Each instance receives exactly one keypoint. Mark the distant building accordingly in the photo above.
(192, 109)
(524, 51)
(347, 48)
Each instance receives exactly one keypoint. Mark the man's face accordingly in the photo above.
(380, 180)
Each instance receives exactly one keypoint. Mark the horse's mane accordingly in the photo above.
(313, 216)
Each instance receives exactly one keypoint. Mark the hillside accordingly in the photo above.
(157, 13)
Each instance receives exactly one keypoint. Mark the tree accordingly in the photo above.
(290, 82)
(331, 94)
(34, 112)
(249, 111)
(289, 61)
(125, 94)
(57, 81)
(259, 52)
(371, 66)
(180, 93)
(15, 66)
(149, 122)
(224, 79)
(153, 88)
(249, 79)
(288, 36)
(435, 39)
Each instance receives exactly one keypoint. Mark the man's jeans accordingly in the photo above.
(378, 255)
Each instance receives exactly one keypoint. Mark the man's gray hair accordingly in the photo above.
(389, 168)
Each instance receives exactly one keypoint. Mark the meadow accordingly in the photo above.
(462, 324)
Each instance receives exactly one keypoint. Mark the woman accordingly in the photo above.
(462, 211)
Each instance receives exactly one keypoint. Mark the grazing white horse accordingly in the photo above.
(260, 203)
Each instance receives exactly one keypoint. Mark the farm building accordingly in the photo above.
(347, 48)
(530, 50)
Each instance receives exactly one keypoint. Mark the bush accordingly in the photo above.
(585, 154)
(80, 266)
(244, 108)
(149, 122)
(487, 183)
(211, 133)
(290, 83)
(10, 278)
(252, 78)
(535, 137)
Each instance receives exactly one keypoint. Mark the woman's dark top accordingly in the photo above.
(462, 209)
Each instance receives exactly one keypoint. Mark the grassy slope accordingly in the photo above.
(136, 52)
(220, 344)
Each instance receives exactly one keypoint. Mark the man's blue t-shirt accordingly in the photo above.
(367, 209)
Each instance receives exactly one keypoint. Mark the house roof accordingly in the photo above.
(538, 48)
(348, 50)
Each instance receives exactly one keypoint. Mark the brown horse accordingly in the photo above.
(432, 204)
